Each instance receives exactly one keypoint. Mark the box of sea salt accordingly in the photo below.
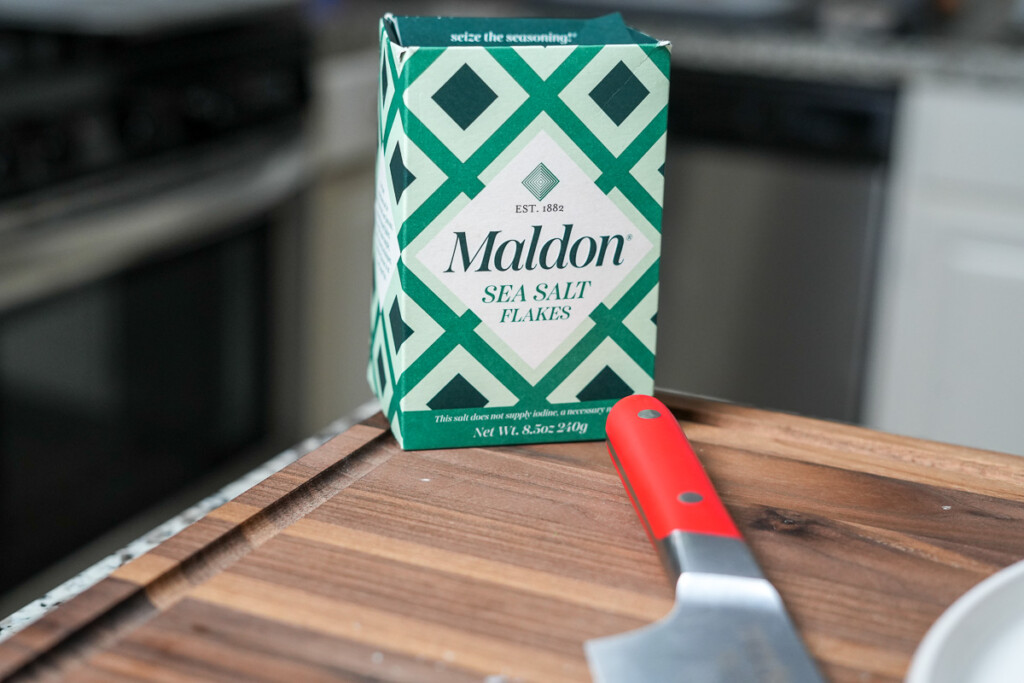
(517, 226)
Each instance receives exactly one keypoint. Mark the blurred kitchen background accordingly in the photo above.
(186, 196)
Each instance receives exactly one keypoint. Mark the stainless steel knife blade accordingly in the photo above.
(729, 624)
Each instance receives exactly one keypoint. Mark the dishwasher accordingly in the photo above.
(774, 192)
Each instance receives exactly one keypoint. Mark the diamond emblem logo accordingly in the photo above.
(540, 181)
(464, 97)
(619, 93)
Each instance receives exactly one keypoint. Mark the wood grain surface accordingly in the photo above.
(363, 562)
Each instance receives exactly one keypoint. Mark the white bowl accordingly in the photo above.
(980, 638)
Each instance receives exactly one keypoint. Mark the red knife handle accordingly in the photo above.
(668, 485)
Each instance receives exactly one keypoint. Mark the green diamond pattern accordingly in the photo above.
(458, 393)
(605, 386)
(540, 182)
(401, 177)
(382, 375)
(464, 97)
(400, 330)
(619, 93)
(512, 94)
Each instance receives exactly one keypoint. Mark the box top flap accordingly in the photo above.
(511, 32)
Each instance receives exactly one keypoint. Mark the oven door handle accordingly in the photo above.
(56, 255)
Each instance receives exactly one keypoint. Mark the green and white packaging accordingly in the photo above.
(517, 230)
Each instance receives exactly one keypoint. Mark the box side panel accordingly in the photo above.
(392, 176)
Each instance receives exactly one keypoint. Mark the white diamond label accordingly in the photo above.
(536, 250)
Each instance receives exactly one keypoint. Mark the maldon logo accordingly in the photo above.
(540, 181)
(555, 253)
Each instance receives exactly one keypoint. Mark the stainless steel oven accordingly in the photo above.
(149, 266)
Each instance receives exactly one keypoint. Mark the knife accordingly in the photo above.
(728, 624)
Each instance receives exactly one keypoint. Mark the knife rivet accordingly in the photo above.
(648, 414)
(690, 497)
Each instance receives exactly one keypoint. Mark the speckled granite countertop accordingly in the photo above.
(102, 569)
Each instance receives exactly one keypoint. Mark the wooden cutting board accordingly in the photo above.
(363, 562)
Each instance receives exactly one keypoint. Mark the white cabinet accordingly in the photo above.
(947, 353)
